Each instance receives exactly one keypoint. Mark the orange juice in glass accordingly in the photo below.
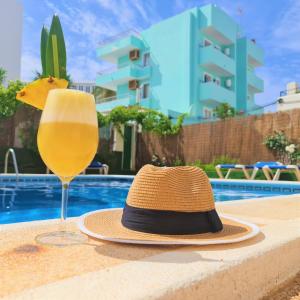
(68, 137)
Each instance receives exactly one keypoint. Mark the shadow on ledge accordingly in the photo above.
(183, 254)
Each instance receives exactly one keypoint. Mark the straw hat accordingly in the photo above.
(167, 206)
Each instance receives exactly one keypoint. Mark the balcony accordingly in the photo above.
(110, 79)
(255, 83)
(218, 24)
(215, 61)
(113, 48)
(212, 94)
(255, 54)
(107, 104)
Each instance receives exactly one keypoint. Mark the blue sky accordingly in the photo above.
(274, 24)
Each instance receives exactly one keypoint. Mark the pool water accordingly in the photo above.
(39, 199)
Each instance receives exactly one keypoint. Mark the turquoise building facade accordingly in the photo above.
(189, 63)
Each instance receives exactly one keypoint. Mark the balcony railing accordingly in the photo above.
(255, 82)
(107, 70)
(212, 91)
(100, 100)
(256, 54)
(106, 99)
(118, 36)
(214, 59)
(112, 79)
(215, 83)
(289, 92)
(120, 67)
(218, 25)
(215, 47)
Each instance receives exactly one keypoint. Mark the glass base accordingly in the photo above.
(61, 238)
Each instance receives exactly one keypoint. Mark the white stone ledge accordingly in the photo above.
(243, 271)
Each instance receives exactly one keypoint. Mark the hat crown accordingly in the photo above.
(182, 189)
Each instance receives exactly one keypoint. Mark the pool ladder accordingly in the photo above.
(13, 154)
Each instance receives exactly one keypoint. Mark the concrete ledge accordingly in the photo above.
(251, 279)
(100, 270)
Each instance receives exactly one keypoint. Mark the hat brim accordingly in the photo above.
(106, 225)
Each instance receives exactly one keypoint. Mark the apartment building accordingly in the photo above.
(189, 63)
(11, 22)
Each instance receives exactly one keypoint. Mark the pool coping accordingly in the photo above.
(54, 176)
(132, 177)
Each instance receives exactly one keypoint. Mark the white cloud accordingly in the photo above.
(82, 68)
(123, 15)
(147, 10)
(30, 63)
(287, 31)
(90, 27)
(127, 13)
(105, 3)
(179, 5)
(84, 23)
(29, 19)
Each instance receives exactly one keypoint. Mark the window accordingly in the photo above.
(207, 78)
(227, 51)
(87, 89)
(207, 113)
(207, 43)
(216, 81)
(217, 47)
(80, 88)
(146, 59)
(145, 91)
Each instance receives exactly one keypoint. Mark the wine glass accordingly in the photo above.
(67, 142)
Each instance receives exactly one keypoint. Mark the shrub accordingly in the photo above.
(8, 101)
(150, 120)
(158, 162)
(283, 149)
(196, 163)
(224, 111)
(178, 162)
(224, 159)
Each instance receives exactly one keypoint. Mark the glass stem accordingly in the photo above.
(64, 200)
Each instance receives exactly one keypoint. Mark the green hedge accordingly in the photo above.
(211, 173)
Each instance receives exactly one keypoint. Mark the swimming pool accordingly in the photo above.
(38, 197)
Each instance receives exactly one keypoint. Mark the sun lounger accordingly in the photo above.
(96, 165)
(261, 165)
(268, 171)
(233, 167)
